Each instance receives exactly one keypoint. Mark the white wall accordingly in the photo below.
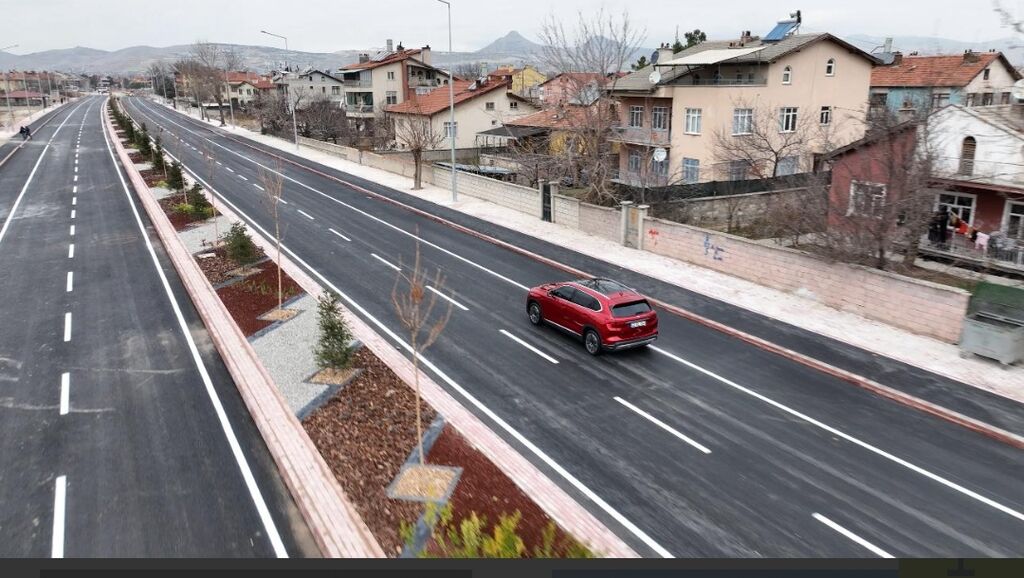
(1000, 80)
(999, 155)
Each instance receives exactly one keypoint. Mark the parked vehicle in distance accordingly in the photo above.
(605, 314)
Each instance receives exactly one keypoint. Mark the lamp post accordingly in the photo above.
(451, 103)
(7, 86)
(295, 125)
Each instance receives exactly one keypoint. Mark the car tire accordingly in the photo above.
(592, 342)
(533, 310)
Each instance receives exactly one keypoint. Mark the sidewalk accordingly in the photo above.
(20, 120)
(929, 354)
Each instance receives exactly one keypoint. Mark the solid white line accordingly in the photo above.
(307, 215)
(71, 281)
(447, 298)
(917, 469)
(67, 327)
(530, 347)
(72, 230)
(663, 425)
(259, 187)
(71, 251)
(340, 235)
(393, 266)
(59, 505)
(243, 465)
(874, 549)
(487, 411)
(65, 393)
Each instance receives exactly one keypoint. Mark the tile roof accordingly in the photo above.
(582, 77)
(236, 77)
(560, 118)
(439, 99)
(390, 59)
(924, 71)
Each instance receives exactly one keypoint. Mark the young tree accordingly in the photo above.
(273, 191)
(694, 38)
(333, 350)
(415, 132)
(415, 297)
(641, 63)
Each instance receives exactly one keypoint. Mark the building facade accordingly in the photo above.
(389, 78)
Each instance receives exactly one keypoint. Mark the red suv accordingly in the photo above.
(607, 315)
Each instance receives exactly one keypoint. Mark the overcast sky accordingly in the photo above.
(330, 25)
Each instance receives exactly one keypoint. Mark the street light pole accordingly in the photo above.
(451, 104)
(288, 92)
(7, 87)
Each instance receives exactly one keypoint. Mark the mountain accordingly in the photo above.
(1013, 48)
(512, 44)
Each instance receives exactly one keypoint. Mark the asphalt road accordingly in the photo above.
(702, 446)
(121, 431)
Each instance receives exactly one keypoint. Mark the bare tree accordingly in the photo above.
(272, 112)
(324, 120)
(415, 297)
(415, 132)
(469, 70)
(773, 136)
(273, 191)
(210, 59)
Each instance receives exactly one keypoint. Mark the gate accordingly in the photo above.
(632, 232)
(545, 193)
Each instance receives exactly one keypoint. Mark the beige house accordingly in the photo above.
(748, 108)
(307, 86)
(479, 106)
(390, 77)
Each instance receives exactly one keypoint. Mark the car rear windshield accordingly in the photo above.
(631, 309)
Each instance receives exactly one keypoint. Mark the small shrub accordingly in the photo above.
(239, 245)
(175, 180)
(198, 199)
(333, 349)
(184, 209)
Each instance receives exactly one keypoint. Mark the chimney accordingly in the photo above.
(425, 55)
(745, 37)
(971, 57)
(364, 58)
(665, 53)
(391, 45)
(897, 58)
(887, 47)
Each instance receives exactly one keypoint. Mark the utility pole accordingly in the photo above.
(288, 89)
(451, 105)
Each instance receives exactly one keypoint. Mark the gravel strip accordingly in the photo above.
(195, 238)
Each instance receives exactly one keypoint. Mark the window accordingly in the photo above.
(659, 168)
(967, 152)
(392, 97)
(830, 67)
(636, 116)
(627, 310)
(693, 120)
(323, 90)
(879, 99)
(742, 121)
(1015, 220)
(335, 91)
(987, 99)
(513, 105)
(940, 100)
(826, 115)
(451, 131)
(691, 171)
(586, 301)
(960, 205)
(489, 106)
(970, 99)
(787, 119)
(866, 199)
(738, 170)
(1005, 98)
(634, 161)
(566, 293)
(787, 166)
(391, 75)
(659, 118)
(787, 75)
(986, 74)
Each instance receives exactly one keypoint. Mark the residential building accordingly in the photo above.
(571, 88)
(304, 87)
(525, 81)
(917, 84)
(748, 108)
(479, 106)
(389, 78)
(242, 88)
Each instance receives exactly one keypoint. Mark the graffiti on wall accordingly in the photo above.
(712, 250)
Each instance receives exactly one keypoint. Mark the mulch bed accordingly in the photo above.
(137, 158)
(247, 300)
(152, 177)
(217, 268)
(484, 489)
(179, 220)
(365, 435)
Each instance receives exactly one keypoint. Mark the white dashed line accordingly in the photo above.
(283, 202)
(72, 230)
(67, 327)
(243, 178)
(76, 178)
(393, 266)
(74, 201)
(340, 235)
(74, 190)
(59, 499)
(874, 549)
(307, 215)
(71, 251)
(530, 347)
(71, 281)
(259, 187)
(230, 170)
(447, 298)
(662, 425)
(73, 214)
(65, 393)
(220, 164)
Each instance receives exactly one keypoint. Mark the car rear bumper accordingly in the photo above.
(632, 343)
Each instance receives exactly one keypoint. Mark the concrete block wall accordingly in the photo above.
(522, 199)
(565, 211)
(917, 306)
(601, 221)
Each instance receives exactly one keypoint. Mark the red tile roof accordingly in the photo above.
(439, 99)
(236, 77)
(396, 57)
(923, 71)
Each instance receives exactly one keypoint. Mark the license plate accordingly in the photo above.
(638, 325)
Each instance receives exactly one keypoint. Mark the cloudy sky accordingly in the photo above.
(330, 25)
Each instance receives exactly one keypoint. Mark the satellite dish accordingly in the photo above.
(655, 77)
(1018, 90)
(660, 155)
(654, 57)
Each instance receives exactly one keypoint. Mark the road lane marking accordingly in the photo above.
(447, 298)
(340, 235)
(74, 213)
(71, 281)
(269, 526)
(65, 393)
(230, 170)
(307, 215)
(283, 202)
(74, 189)
(71, 251)
(76, 178)
(874, 549)
(243, 178)
(76, 169)
(67, 327)
(389, 264)
(877, 451)
(259, 187)
(219, 164)
(663, 425)
(59, 505)
(530, 347)
(72, 230)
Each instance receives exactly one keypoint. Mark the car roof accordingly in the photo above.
(610, 290)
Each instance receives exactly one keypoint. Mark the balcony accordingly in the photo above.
(642, 136)
(359, 109)
(723, 82)
(1003, 254)
(358, 84)
(416, 82)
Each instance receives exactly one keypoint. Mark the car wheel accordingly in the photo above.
(535, 315)
(592, 341)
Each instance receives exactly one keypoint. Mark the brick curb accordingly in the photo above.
(333, 521)
(885, 391)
